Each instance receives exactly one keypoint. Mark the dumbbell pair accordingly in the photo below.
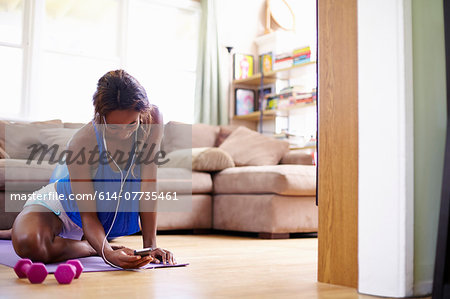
(36, 272)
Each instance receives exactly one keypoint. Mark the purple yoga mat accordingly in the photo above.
(8, 257)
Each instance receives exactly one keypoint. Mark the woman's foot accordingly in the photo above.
(5, 234)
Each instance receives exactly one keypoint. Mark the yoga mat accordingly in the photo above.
(8, 257)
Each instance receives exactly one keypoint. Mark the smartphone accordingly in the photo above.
(143, 252)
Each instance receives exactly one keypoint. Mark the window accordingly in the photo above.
(11, 56)
(79, 41)
(80, 44)
(162, 54)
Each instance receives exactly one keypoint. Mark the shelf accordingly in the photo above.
(254, 80)
(271, 114)
(302, 148)
(272, 76)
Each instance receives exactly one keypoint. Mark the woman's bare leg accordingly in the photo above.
(35, 236)
(5, 234)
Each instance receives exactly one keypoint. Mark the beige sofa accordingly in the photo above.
(272, 200)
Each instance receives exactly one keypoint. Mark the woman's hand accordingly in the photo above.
(124, 257)
(162, 255)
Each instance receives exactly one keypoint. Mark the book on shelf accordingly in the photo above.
(301, 55)
(277, 103)
(289, 97)
(283, 64)
(302, 51)
(283, 60)
(297, 95)
(265, 62)
(283, 103)
(271, 103)
(301, 61)
(282, 56)
(294, 88)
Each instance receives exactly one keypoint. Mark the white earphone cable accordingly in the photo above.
(122, 183)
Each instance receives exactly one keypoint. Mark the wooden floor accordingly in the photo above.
(220, 266)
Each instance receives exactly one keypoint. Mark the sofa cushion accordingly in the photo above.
(299, 180)
(249, 148)
(17, 136)
(181, 136)
(299, 157)
(183, 181)
(22, 176)
(198, 216)
(268, 213)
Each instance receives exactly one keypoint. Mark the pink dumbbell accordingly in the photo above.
(36, 272)
(65, 273)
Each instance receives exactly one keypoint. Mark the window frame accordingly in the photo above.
(33, 17)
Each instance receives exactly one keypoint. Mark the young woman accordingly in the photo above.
(50, 230)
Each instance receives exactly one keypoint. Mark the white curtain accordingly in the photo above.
(210, 91)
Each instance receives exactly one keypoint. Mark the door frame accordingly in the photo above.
(365, 149)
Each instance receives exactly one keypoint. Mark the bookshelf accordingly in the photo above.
(271, 114)
(272, 76)
(261, 79)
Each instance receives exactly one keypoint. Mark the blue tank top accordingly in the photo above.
(107, 182)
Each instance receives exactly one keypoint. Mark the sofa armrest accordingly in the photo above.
(299, 157)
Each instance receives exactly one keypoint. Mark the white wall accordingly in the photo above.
(386, 182)
(240, 22)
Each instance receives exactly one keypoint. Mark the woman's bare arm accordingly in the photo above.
(148, 208)
(149, 183)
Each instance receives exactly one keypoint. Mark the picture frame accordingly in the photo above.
(243, 66)
(244, 101)
(266, 62)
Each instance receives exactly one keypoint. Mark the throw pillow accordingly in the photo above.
(211, 159)
(249, 148)
(224, 132)
(199, 159)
